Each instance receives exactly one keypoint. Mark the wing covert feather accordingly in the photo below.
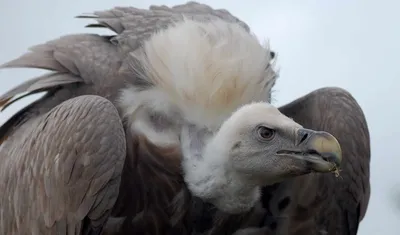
(86, 65)
(65, 167)
(134, 25)
(345, 197)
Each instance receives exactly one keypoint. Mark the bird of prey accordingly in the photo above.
(175, 104)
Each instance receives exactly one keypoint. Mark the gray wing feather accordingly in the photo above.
(52, 80)
(63, 168)
(41, 60)
(336, 204)
(38, 84)
(74, 59)
(79, 54)
(88, 60)
(134, 25)
(120, 19)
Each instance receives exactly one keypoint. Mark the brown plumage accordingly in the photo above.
(343, 199)
(153, 198)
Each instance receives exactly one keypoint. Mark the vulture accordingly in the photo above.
(165, 126)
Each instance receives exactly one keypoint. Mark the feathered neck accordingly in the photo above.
(212, 178)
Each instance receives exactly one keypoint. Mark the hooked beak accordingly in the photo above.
(319, 149)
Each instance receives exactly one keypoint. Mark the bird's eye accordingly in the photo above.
(265, 133)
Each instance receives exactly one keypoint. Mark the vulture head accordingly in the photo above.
(255, 147)
(205, 87)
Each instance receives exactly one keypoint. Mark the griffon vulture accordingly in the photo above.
(174, 105)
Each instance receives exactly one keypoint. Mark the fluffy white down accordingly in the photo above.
(202, 70)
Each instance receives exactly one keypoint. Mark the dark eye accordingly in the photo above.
(265, 133)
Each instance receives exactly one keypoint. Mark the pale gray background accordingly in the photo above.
(351, 44)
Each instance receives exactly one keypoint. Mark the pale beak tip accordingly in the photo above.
(328, 146)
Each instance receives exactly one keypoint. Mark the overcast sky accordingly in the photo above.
(350, 44)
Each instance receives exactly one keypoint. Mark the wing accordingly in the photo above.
(93, 64)
(337, 204)
(61, 174)
(80, 65)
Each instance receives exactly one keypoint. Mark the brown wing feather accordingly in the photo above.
(153, 199)
(120, 19)
(337, 204)
(133, 25)
(82, 64)
(60, 173)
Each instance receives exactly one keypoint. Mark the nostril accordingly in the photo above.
(303, 138)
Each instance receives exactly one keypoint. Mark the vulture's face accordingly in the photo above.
(256, 146)
(265, 146)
